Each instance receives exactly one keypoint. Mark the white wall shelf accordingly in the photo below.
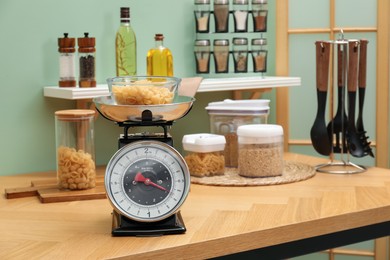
(207, 85)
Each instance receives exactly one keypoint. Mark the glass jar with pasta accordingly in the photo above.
(204, 154)
(75, 149)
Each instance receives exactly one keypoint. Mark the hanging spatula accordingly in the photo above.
(318, 133)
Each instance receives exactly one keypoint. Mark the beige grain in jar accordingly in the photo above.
(260, 150)
(76, 169)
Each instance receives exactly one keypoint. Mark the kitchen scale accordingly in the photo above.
(146, 180)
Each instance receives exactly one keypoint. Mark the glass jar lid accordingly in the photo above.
(240, 41)
(221, 42)
(202, 43)
(259, 41)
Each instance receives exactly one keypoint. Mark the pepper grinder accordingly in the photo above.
(86, 61)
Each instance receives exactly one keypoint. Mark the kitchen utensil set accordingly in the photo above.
(341, 134)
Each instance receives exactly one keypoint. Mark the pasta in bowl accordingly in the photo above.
(143, 90)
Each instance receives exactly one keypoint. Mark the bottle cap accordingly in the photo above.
(125, 14)
(159, 37)
(86, 44)
(66, 44)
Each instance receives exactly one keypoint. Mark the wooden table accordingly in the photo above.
(276, 221)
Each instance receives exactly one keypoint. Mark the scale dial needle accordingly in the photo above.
(140, 178)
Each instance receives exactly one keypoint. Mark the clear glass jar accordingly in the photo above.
(240, 14)
(221, 55)
(202, 15)
(260, 15)
(86, 61)
(66, 48)
(259, 54)
(202, 56)
(221, 15)
(75, 149)
(226, 116)
(204, 154)
(240, 54)
(260, 150)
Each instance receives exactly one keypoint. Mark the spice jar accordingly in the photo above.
(67, 61)
(221, 56)
(260, 150)
(259, 54)
(259, 14)
(204, 154)
(202, 15)
(240, 14)
(86, 61)
(202, 56)
(226, 116)
(75, 149)
(221, 15)
(240, 54)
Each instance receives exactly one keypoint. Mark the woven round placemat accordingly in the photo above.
(293, 172)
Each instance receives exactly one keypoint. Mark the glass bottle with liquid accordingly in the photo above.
(125, 46)
(159, 60)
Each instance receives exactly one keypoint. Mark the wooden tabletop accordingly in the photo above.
(219, 220)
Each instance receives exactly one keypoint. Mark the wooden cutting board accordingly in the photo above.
(48, 192)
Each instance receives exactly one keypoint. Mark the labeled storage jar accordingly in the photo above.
(259, 54)
(202, 56)
(240, 54)
(202, 15)
(221, 55)
(204, 154)
(260, 150)
(75, 148)
(86, 61)
(226, 116)
(66, 48)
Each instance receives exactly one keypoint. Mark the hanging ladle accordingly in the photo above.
(318, 133)
(355, 146)
(362, 90)
(338, 125)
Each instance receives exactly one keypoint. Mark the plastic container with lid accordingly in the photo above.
(221, 55)
(259, 14)
(202, 56)
(204, 154)
(260, 150)
(76, 169)
(226, 116)
(202, 15)
(259, 54)
(240, 54)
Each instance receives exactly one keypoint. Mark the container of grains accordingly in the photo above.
(204, 154)
(226, 116)
(260, 150)
(75, 149)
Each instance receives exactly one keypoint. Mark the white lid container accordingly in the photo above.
(239, 107)
(203, 143)
(260, 134)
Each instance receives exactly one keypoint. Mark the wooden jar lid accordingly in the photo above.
(86, 44)
(66, 45)
(74, 114)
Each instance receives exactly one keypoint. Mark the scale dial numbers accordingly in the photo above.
(147, 181)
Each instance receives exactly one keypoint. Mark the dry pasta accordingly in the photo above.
(76, 169)
(206, 164)
(142, 94)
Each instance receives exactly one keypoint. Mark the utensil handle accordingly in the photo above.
(341, 64)
(363, 63)
(322, 65)
(353, 52)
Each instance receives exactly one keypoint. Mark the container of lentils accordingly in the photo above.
(260, 150)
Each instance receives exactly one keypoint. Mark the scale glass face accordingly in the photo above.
(147, 181)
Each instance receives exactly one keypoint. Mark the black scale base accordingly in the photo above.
(122, 226)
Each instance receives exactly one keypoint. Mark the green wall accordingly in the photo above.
(29, 61)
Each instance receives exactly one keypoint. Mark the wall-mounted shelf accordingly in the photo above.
(207, 85)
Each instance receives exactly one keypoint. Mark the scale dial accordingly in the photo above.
(147, 181)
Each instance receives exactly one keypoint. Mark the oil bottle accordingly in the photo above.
(125, 46)
(159, 60)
